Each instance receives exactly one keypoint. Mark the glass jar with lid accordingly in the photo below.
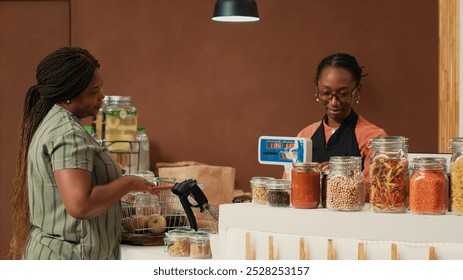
(121, 129)
(146, 204)
(177, 243)
(305, 185)
(324, 177)
(357, 162)
(456, 175)
(345, 190)
(278, 192)
(428, 186)
(389, 174)
(259, 189)
(200, 247)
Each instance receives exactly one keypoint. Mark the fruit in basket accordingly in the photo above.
(135, 223)
(157, 223)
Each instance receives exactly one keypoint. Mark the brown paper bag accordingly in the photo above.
(218, 185)
(218, 181)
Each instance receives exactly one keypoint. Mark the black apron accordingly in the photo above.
(342, 143)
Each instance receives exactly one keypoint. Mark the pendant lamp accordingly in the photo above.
(235, 11)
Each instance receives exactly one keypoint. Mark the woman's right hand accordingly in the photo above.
(324, 165)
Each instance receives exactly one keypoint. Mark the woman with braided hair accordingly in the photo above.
(67, 188)
(341, 132)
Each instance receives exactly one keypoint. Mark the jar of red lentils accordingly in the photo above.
(456, 175)
(428, 186)
(345, 190)
(389, 174)
(305, 185)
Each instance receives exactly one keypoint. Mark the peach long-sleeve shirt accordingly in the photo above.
(364, 131)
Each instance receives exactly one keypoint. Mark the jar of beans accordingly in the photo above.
(305, 185)
(428, 186)
(345, 187)
(259, 189)
(456, 175)
(278, 192)
(389, 174)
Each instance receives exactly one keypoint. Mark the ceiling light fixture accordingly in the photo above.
(235, 11)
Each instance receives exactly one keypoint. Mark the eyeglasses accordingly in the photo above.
(341, 96)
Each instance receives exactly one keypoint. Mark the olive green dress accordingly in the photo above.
(61, 142)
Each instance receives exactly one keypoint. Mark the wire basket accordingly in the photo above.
(146, 217)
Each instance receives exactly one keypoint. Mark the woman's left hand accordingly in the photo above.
(139, 184)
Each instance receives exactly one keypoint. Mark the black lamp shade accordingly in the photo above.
(235, 11)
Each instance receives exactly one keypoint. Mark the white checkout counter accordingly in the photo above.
(245, 226)
(138, 252)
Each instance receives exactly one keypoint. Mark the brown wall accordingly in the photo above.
(206, 90)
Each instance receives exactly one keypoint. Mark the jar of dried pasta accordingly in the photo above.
(456, 175)
(305, 185)
(345, 186)
(200, 247)
(259, 189)
(428, 186)
(389, 174)
(177, 243)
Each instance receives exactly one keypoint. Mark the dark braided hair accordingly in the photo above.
(61, 76)
(341, 60)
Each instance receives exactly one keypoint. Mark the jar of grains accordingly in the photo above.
(345, 187)
(200, 247)
(305, 185)
(389, 174)
(428, 186)
(456, 175)
(278, 192)
(259, 189)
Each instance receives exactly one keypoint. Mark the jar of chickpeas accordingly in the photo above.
(456, 175)
(345, 190)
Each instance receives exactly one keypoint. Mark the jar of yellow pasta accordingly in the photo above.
(177, 243)
(456, 175)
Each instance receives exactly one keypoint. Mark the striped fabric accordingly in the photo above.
(61, 142)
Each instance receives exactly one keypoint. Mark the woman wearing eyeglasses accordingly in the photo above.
(341, 132)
